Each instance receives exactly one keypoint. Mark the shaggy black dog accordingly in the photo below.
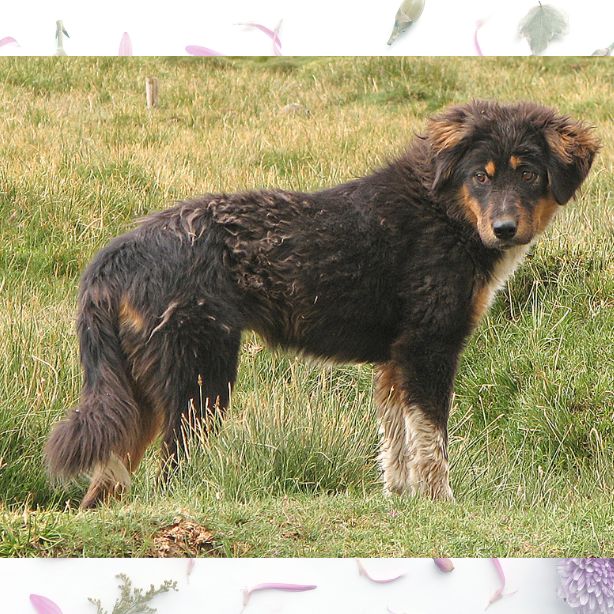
(395, 268)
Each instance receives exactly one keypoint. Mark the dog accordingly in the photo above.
(395, 268)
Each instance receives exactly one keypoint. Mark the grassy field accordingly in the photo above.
(292, 472)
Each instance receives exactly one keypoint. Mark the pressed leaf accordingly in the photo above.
(60, 33)
(541, 26)
(132, 600)
(408, 13)
(605, 51)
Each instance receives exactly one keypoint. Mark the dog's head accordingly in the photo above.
(510, 166)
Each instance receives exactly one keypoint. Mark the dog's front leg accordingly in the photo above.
(413, 418)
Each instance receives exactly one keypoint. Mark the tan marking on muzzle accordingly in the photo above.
(471, 207)
(544, 211)
(512, 207)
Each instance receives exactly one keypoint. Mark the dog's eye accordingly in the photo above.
(529, 176)
(481, 177)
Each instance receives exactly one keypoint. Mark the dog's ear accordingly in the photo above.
(572, 148)
(447, 134)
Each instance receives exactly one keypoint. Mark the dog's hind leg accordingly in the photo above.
(413, 424)
(187, 368)
(198, 392)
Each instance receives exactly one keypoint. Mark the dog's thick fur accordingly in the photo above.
(395, 268)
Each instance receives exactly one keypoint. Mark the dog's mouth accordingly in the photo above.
(504, 244)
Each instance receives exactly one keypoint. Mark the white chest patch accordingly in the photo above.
(504, 269)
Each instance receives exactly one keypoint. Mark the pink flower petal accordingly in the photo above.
(445, 565)
(277, 40)
(276, 586)
(7, 40)
(125, 45)
(201, 51)
(476, 42)
(190, 568)
(363, 572)
(500, 572)
(272, 34)
(498, 594)
(43, 605)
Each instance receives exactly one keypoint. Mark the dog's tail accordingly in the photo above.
(100, 433)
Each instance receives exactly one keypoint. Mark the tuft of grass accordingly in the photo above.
(304, 431)
(292, 469)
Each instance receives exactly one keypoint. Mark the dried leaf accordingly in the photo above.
(408, 13)
(132, 600)
(605, 51)
(541, 26)
(60, 33)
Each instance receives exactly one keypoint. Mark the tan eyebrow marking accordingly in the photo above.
(490, 168)
(515, 162)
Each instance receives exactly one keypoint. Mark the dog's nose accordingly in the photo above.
(504, 229)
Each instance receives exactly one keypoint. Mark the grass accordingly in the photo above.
(292, 472)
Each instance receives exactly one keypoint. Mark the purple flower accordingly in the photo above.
(587, 585)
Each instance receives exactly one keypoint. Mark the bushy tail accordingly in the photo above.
(105, 425)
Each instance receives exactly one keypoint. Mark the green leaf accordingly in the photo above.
(408, 13)
(541, 26)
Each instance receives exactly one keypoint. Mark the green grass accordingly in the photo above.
(292, 471)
